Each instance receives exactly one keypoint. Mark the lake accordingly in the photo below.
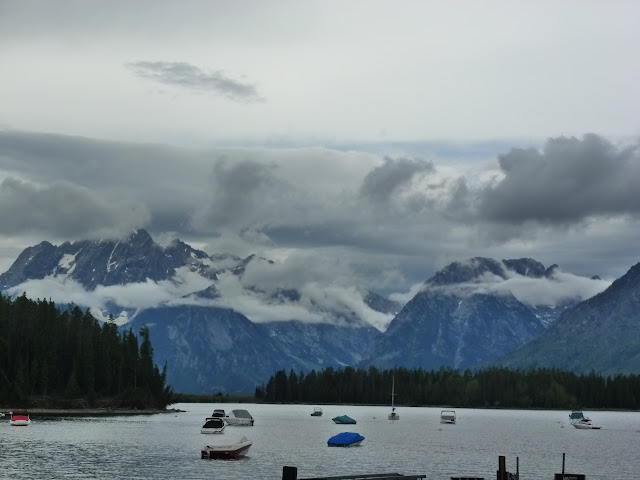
(168, 445)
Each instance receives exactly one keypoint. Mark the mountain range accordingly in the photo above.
(221, 330)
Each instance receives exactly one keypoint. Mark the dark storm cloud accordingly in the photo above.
(190, 77)
(116, 177)
(240, 192)
(569, 180)
(63, 209)
(382, 182)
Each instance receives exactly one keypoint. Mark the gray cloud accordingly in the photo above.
(157, 185)
(388, 221)
(568, 181)
(64, 209)
(244, 193)
(394, 174)
(190, 77)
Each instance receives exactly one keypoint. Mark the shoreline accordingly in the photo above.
(86, 412)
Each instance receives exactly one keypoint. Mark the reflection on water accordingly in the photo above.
(168, 445)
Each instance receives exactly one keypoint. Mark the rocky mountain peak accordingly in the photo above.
(467, 271)
(527, 267)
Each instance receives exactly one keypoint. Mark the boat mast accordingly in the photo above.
(393, 392)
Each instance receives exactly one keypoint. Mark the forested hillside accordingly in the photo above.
(66, 358)
(494, 387)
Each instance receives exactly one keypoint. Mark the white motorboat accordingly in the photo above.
(218, 412)
(19, 418)
(317, 412)
(393, 415)
(239, 417)
(448, 416)
(579, 421)
(213, 425)
(234, 450)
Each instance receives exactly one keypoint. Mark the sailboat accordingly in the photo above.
(393, 415)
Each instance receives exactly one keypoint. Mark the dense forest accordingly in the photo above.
(67, 359)
(493, 387)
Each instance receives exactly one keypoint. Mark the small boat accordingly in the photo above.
(235, 450)
(218, 412)
(578, 420)
(19, 418)
(393, 415)
(344, 419)
(345, 439)
(448, 416)
(317, 412)
(213, 425)
(239, 417)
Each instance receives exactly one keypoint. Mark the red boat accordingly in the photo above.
(235, 450)
(19, 418)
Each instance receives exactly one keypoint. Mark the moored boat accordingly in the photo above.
(345, 439)
(393, 415)
(213, 425)
(317, 412)
(448, 416)
(231, 451)
(579, 421)
(19, 418)
(344, 419)
(239, 417)
(218, 412)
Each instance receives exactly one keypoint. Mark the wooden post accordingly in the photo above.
(502, 468)
(289, 473)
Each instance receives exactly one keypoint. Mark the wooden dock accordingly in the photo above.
(291, 473)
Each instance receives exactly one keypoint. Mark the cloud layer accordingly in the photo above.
(387, 220)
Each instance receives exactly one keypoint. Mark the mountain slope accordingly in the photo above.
(601, 334)
(210, 349)
(452, 322)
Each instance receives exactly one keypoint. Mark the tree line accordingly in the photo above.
(67, 359)
(492, 387)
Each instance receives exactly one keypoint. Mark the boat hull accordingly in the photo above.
(211, 430)
(19, 423)
(354, 444)
(218, 452)
(239, 422)
(585, 426)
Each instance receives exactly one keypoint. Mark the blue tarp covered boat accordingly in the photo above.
(344, 419)
(345, 439)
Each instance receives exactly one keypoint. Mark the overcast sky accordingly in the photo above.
(371, 142)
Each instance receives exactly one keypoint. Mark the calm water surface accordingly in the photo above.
(168, 445)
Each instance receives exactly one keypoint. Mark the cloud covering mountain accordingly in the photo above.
(388, 221)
